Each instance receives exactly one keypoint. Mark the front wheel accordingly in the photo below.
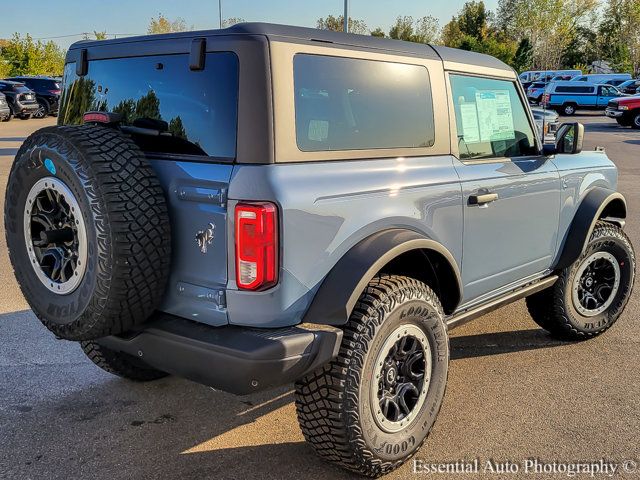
(569, 109)
(623, 121)
(372, 407)
(590, 295)
(635, 121)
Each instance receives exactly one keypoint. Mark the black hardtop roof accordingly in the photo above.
(305, 34)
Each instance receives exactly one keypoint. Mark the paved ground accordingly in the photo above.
(514, 393)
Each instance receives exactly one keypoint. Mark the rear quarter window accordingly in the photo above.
(355, 104)
(572, 89)
(195, 111)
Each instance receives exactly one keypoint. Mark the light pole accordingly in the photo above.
(220, 11)
(346, 16)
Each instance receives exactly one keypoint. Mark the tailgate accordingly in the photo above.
(196, 195)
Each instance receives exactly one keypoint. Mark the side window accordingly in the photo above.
(490, 118)
(607, 91)
(355, 104)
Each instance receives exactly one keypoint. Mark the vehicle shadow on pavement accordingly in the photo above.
(170, 428)
(484, 344)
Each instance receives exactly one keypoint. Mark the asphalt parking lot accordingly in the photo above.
(514, 393)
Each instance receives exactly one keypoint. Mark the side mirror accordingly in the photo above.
(569, 138)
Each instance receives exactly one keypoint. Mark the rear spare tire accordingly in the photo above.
(87, 230)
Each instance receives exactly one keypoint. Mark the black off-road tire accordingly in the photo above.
(624, 121)
(121, 364)
(553, 309)
(127, 229)
(333, 404)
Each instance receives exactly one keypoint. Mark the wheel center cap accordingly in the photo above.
(391, 376)
(588, 281)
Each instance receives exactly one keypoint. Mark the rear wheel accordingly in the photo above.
(120, 364)
(43, 109)
(569, 109)
(591, 294)
(372, 408)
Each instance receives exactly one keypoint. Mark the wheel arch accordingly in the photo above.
(598, 204)
(394, 251)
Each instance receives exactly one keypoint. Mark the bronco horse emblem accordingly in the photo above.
(205, 237)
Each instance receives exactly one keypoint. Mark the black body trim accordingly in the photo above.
(233, 359)
(197, 54)
(598, 203)
(341, 288)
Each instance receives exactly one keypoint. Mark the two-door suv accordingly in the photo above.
(266, 204)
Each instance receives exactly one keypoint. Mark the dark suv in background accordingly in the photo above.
(21, 100)
(47, 91)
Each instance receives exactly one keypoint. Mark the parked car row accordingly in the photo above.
(27, 97)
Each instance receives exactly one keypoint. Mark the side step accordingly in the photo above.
(460, 318)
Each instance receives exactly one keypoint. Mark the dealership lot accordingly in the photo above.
(514, 393)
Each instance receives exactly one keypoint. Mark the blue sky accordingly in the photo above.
(65, 17)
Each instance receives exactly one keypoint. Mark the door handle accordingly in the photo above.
(482, 198)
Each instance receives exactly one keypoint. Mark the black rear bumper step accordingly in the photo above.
(234, 359)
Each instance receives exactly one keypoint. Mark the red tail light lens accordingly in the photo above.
(256, 245)
(54, 92)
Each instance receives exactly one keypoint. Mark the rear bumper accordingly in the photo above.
(26, 108)
(234, 359)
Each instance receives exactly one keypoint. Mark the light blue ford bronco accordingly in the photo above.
(264, 204)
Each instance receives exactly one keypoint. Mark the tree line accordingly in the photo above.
(529, 34)
(526, 34)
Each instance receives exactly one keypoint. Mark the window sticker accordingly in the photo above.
(495, 116)
(469, 117)
(318, 130)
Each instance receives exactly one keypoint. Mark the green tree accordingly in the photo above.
(100, 35)
(177, 128)
(24, 56)
(231, 21)
(473, 20)
(163, 25)
(378, 32)
(523, 56)
(337, 24)
(424, 30)
(619, 36)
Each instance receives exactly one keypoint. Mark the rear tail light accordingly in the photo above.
(54, 92)
(101, 117)
(256, 245)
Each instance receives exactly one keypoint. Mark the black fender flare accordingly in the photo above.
(339, 291)
(598, 203)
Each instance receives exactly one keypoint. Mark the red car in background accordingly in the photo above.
(626, 111)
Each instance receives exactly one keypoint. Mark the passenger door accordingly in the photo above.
(511, 194)
(606, 93)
